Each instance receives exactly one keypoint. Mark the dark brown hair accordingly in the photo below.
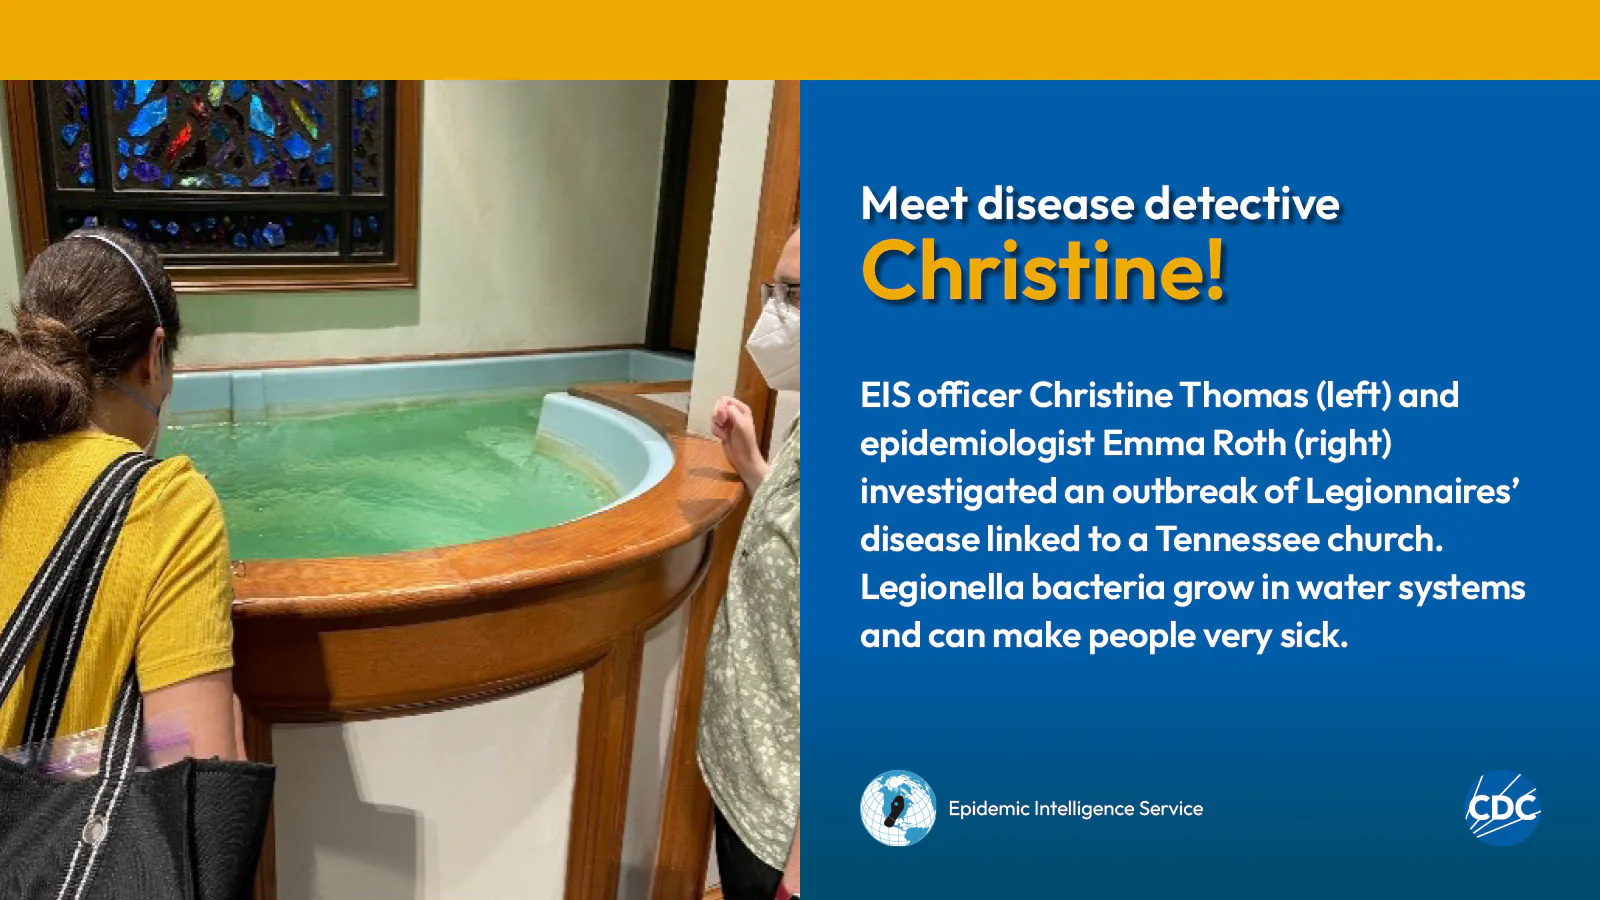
(84, 320)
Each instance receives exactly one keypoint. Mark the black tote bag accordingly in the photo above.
(188, 831)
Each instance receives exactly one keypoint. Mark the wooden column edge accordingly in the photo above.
(258, 748)
(27, 171)
(605, 757)
(683, 845)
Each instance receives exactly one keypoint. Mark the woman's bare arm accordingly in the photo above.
(204, 708)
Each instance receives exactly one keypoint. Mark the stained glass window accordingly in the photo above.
(224, 172)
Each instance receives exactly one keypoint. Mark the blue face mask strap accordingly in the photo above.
(153, 409)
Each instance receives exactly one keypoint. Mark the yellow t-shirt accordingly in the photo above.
(166, 597)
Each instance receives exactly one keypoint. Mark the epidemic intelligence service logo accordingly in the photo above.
(1503, 809)
(898, 808)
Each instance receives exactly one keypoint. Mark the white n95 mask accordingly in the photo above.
(774, 344)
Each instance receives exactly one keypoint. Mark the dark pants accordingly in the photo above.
(744, 876)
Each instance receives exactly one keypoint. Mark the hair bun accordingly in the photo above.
(53, 342)
(45, 381)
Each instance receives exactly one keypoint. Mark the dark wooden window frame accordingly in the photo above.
(399, 272)
(683, 221)
(669, 215)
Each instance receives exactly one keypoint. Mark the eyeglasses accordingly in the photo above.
(786, 292)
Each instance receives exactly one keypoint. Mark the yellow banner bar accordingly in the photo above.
(817, 40)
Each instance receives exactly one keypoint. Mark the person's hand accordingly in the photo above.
(735, 427)
(790, 885)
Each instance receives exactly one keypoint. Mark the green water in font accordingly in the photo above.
(379, 480)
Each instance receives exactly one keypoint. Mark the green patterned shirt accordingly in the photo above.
(750, 721)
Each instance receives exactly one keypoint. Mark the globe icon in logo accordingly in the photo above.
(898, 808)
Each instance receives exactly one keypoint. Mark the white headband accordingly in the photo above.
(136, 270)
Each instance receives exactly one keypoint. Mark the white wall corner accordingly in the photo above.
(734, 217)
(11, 267)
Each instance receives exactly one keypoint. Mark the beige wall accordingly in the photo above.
(10, 244)
(538, 230)
(733, 236)
(463, 804)
(733, 240)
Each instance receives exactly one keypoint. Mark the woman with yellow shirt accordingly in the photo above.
(82, 382)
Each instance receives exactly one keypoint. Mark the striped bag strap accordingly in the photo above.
(120, 748)
(118, 755)
(61, 597)
(62, 569)
(71, 619)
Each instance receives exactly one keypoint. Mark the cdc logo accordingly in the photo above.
(1503, 809)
